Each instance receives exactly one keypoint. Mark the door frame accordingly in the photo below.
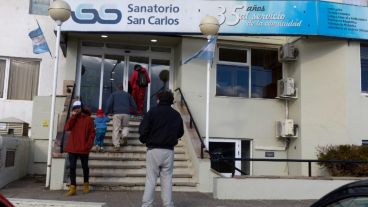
(238, 153)
(126, 53)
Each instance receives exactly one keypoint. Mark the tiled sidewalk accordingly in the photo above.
(33, 188)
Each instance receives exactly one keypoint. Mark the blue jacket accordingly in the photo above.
(101, 122)
(120, 102)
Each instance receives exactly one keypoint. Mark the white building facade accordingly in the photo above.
(329, 106)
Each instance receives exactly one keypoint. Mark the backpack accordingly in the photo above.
(142, 79)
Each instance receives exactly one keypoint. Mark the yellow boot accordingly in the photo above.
(72, 190)
(85, 187)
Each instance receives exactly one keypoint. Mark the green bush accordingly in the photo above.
(344, 152)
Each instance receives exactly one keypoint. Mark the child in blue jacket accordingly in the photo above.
(101, 126)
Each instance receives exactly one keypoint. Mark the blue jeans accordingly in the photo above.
(100, 135)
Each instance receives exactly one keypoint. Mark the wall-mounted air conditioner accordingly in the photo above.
(286, 128)
(288, 52)
(286, 88)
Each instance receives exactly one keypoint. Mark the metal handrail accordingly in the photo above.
(67, 117)
(192, 122)
(309, 161)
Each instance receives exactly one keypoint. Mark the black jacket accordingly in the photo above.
(161, 127)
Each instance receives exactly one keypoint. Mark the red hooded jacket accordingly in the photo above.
(134, 77)
(82, 134)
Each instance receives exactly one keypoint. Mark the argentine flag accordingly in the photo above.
(39, 41)
(206, 53)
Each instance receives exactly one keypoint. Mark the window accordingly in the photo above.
(364, 67)
(18, 78)
(248, 73)
(266, 70)
(39, 7)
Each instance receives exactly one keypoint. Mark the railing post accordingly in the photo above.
(309, 169)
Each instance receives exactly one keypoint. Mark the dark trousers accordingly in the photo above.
(100, 135)
(73, 157)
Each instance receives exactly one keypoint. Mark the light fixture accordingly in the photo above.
(209, 26)
(154, 40)
(104, 36)
(60, 12)
(111, 79)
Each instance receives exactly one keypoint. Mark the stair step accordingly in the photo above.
(130, 135)
(131, 182)
(113, 164)
(131, 129)
(137, 149)
(129, 165)
(136, 142)
(131, 123)
(126, 156)
(132, 173)
(102, 187)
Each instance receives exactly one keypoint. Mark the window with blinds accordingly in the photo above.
(19, 78)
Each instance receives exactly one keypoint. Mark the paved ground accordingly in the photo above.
(33, 188)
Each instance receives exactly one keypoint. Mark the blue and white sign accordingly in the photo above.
(272, 17)
(341, 20)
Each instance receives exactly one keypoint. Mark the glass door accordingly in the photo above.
(101, 71)
(114, 66)
(90, 81)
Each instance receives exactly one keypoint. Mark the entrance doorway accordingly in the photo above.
(102, 69)
(231, 148)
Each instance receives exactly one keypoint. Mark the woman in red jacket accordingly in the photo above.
(79, 144)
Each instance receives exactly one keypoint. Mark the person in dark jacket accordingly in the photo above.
(160, 130)
(79, 144)
(120, 103)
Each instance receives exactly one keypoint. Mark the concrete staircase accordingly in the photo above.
(126, 170)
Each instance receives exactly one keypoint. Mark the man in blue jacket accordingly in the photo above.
(160, 130)
(120, 103)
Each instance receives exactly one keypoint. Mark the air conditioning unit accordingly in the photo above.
(288, 52)
(286, 88)
(285, 128)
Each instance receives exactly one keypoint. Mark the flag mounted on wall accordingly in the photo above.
(206, 53)
(39, 41)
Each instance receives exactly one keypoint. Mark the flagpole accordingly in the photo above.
(59, 11)
(209, 26)
(208, 99)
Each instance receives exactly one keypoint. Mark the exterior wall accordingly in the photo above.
(14, 37)
(357, 110)
(274, 189)
(323, 95)
(21, 147)
(40, 132)
(233, 117)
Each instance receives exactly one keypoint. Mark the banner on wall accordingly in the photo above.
(236, 17)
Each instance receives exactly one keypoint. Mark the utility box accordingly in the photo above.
(13, 126)
(288, 53)
(286, 128)
(286, 88)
